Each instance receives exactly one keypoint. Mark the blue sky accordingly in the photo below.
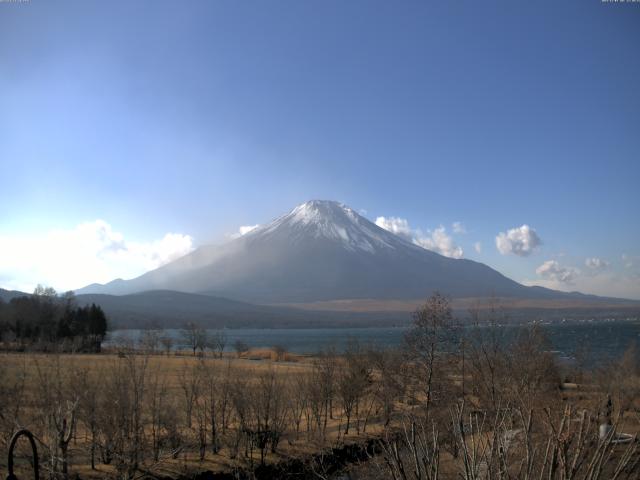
(123, 122)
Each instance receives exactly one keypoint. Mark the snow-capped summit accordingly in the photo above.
(321, 212)
(321, 250)
(330, 220)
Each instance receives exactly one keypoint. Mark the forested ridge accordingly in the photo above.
(46, 321)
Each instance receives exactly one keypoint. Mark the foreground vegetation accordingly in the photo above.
(482, 406)
(45, 321)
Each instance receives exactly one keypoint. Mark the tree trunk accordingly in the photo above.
(93, 448)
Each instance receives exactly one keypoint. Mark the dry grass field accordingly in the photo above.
(46, 384)
(50, 386)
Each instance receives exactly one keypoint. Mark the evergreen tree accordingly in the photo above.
(46, 317)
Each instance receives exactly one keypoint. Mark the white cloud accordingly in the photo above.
(90, 252)
(477, 247)
(458, 227)
(437, 240)
(596, 264)
(519, 241)
(552, 270)
(243, 230)
(396, 225)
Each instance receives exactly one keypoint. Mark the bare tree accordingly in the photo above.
(12, 398)
(486, 353)
(158, 410)
(279, 352)
(90, 392)
(241, 348)
(297, 394)
(58, 405)
(238, 395)
(190, 384)
(194, 336)
(268, 411)
(214, 389)
(515, 443)
(390, 387)
(427, 342)
(625, 374)
(353, 381)
(224, 395)
(322, 388)
(412, 453)
(150, 340)
(121, 417)
(218, 342)
(167, 343)
(532, 375)
(202, 410)
(560, 444)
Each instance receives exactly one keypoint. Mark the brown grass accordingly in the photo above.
(251, 365)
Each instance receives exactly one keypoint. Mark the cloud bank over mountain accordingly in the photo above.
(324, 250)
(437, 240)
(552, 270)
(243, 230)
(90, 252)
(598, 276)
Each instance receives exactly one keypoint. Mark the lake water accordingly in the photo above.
(601, 341)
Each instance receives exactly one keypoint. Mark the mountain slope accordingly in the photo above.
(323, 250)
(170, 309)
(8, 295)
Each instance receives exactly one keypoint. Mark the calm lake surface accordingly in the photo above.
(601, 341)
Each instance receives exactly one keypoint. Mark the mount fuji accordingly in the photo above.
(321, 251)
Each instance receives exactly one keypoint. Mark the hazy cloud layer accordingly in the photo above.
(599, 277)
(552, 270)
(596, 264)
(477, 247)
(521, 241)
(437, 240)
(607, 283)
(90, 252)
(630, 261)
